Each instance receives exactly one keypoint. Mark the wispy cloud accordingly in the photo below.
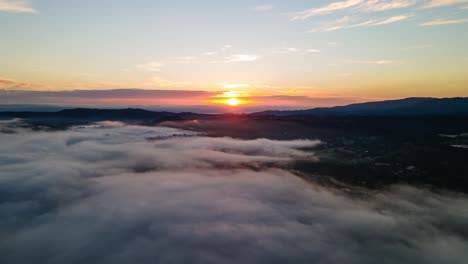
(221, 55)
(209, 53)
(355, 5)
(287, 50)
(16, 6)
(8, 83)
(379, 5)
(223, 49)
(11, 84)
(152, 66)
(292, 50)
(440, 3)
(391, 20)
(241, 58)
(264, 8)
(226, 47)
(351, 22)
(325, 9)
(438, 22)
(372, 62)
(184, 60)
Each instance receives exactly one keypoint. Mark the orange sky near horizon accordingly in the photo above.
(294, 54)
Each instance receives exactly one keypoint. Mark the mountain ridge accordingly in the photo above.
(412, 106)
(406, 107)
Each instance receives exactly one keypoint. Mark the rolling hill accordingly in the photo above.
(403, 107)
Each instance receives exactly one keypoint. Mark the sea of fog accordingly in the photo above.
(116, 193)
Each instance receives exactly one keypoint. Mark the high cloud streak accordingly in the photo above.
(115, 193)
(439, 22)
(16, 6)
(325, 9)
(370, 6)
(241, 58)
(440, 3)
(378, 5)
(354, 5)
(350, 22)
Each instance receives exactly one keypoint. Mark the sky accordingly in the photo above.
(324, 52)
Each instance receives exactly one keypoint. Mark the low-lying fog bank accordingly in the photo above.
(114, 193)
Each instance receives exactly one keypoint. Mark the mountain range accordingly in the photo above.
(415, 106)
(403, 107)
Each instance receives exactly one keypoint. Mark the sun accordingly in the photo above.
(233, 101)
(232, 98)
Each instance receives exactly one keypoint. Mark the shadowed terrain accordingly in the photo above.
(362, 150)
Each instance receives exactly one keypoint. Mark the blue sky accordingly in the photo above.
(349, 48)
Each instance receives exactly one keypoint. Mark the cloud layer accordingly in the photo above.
(112, 193)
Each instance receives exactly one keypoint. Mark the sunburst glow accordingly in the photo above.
(233, 102)
(232, 98)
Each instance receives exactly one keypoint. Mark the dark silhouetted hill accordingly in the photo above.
(407, 107)
(130, 113)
